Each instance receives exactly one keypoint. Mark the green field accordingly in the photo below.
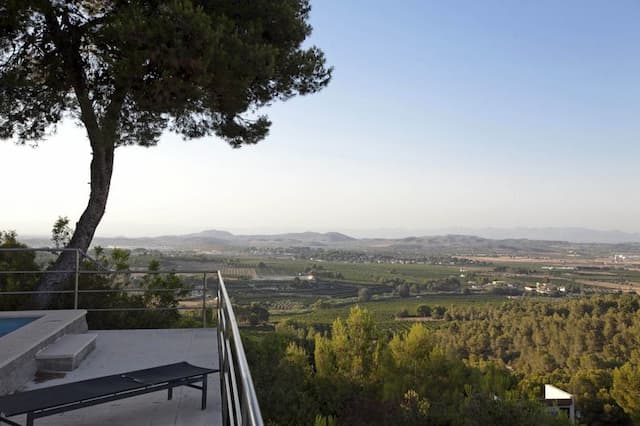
(384, 311)
(355, 272)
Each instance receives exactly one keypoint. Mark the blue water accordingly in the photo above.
(7, 325)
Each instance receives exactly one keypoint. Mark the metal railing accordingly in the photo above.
(77, 291)
(239, 401)
(78, 254)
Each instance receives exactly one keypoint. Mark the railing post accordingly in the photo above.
(75, 298)
(204, 300)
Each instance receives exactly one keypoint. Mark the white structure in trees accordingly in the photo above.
(559, 400)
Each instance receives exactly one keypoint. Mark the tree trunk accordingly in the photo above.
(102, 134)
(101, 171)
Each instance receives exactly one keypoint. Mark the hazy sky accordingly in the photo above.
(440, 114)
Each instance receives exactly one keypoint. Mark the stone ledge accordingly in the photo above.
(18, 349)
(66, 353)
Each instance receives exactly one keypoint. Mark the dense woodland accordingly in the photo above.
(485, 365)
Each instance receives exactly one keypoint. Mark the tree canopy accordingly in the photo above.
(355, 375)
(136, 68)
(130, 70)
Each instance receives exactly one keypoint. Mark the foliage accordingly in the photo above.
(359, 377)
(253, 314)
(364, 295)
(192, 66)
(438, 311)
(574, 344)
(16, 261)
(61, 232)
(588, 346)
(424, 311)
(626, 387)
(281, 379)
(448, 284)
(324, 421)
(403, 290)
(351, 353)
(482, 409)
(160, 292)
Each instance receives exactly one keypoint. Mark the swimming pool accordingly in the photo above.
(7, 325)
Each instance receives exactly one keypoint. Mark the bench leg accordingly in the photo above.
(9, 422)
(30, 419)
(170, 394)
(204, 391)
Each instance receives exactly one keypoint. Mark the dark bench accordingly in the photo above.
(71, 396)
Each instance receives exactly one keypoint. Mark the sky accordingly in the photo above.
(440, 114)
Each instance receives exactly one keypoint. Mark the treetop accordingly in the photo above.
(136, 68)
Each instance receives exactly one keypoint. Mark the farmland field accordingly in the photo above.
(384, 311)
(315, 291)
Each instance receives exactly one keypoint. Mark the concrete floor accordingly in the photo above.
(125, 350)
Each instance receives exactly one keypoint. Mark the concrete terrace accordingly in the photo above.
(118, 351)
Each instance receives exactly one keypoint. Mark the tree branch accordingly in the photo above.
(112, 114)
(72, 61)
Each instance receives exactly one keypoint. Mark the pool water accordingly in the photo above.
(7, 325)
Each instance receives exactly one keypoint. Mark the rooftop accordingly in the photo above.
(119, 351)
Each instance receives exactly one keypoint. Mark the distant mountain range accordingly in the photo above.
(514, 241)
(214, 239)
(573, 235)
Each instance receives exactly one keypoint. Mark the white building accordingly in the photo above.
(559, 400)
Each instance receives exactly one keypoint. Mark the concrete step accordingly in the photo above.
(66, 353)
